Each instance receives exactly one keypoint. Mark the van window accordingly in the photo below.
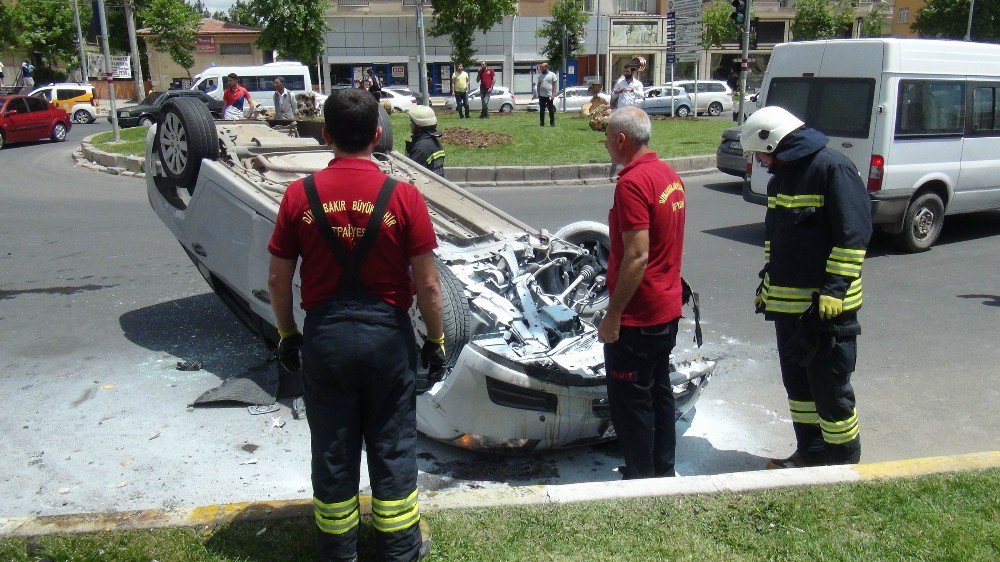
(838, 107)
(986, 110)
(926, 107)
(266, 83)
(65, 94)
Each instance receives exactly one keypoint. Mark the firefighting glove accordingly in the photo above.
(759, 304)
(288, 351)
(830, 307)
(432, 357)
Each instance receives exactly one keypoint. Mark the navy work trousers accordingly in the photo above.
(640, 398)
(545, 102)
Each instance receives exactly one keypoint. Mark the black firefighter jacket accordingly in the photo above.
(817, 227)
(425, 149)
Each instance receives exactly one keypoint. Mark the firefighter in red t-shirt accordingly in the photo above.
(639, 330)
(358, 235)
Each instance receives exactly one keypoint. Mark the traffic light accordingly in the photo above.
(739, 12)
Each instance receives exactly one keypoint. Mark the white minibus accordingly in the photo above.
(919, 118)
(258, 80)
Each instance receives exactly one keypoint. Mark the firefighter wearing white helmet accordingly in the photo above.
(424, 147)
(817, 228)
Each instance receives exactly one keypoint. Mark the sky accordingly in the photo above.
(216, 5)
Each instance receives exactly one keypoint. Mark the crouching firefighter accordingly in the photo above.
(424, 147)
(817, 228)
(358, 234)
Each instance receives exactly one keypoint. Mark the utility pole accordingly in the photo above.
(108, 75)
(79, 41)
(744, 60)
(968, 28)
(565, 39)
(134, 44)
(422, 59)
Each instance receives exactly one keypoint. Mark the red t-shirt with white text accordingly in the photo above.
(348, 189)
(650, 196)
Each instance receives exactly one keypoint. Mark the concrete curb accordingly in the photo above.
(116, 164)
(215, 515)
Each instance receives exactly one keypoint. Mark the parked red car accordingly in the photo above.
(25, 119)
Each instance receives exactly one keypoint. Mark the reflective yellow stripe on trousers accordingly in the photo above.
(803, 412)
(840, 432)
(395, 515)
(336, 518)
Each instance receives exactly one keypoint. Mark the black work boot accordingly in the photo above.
(425, 540)
(794, 461)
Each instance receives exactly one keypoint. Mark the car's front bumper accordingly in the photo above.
(126, 122)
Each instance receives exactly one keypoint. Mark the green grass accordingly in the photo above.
(570, 142)
(133, 141)
(947, 517)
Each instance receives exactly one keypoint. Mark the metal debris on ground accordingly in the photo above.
(265, 409)
(249, 461)
(277, 422)
(189, 365)
(472, 138)
(155, 435)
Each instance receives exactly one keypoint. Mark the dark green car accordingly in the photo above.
(148, 110)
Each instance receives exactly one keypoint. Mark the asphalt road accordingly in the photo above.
(98, 303)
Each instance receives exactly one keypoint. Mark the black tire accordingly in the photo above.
(715, 109)
(595, 237)
(146, 121)
(82, 116)
(506, 108)
(58, 132)
(3, 141)
(456, 315)
(683, 111)
(921, 224)
(385, 143)
(185, 135)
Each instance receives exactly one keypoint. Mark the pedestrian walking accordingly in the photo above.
(284, 103)
(365, 243)
(424, 146)
(547, 86)
(486, 77)
(27, 70)
(235, 97)
(628, 89)
(460, 89)
(1, 74)
(817, 228)
(374, 84)
(639, 329)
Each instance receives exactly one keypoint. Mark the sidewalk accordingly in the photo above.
(542, 495)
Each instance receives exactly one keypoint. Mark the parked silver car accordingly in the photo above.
(660, 99)
(574, 98)
(500, 100)
(713, 96)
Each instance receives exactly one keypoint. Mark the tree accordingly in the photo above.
(173, 25)
(199, 7)
(874, 23)
(567, 16)
(242, 13)
(717, 27)
(948, 19)
(296, 30)
(816, 19)
(461, 19)
(45, 30)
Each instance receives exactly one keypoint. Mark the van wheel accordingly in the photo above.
(81, 116)
(922, 223)
(683, 111)
(385, 143)
(185, 135)
(715, 109)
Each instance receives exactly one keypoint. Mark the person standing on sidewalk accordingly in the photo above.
(284, 103)
(460, 89)
(486, 77)
(816, 232)
(365, 242)
(639, 329)
(547, 87)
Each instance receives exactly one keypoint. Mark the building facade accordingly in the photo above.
(218, 43)
(903, 15)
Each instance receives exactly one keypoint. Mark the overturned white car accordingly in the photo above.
(526, 370)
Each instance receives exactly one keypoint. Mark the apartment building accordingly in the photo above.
(903, 15)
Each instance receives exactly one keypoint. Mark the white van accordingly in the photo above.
(919, 118)
(258, 80)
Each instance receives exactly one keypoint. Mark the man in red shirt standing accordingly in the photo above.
(358, 234)
(644, 278)
(234, 96)
(486, 76)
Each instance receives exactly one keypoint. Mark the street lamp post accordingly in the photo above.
(968, 27)
(422, 59)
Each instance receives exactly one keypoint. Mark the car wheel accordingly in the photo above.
(145, 122)
(594, 237)
(3, 141)
(506, 108)
(455, 311)
(82, 116)
(58, 132)
(385, 143)
(683, 111)
(922, 223)
(185, 135)
(715, 109)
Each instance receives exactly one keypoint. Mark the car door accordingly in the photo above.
(18, 120)
(652, 103)
(41, 118)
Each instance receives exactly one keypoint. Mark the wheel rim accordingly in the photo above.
(60, 131)
(505, 108)
(715, 110)
(174, 144)
(80, 116)
(146, 122)
(923, 224)
(682, 112)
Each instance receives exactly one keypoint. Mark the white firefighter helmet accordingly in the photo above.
(765, 128)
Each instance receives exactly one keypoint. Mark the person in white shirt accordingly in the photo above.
(547, 87)
(628, 89)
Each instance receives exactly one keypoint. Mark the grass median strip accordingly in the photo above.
(954, 517)
(133, 141)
